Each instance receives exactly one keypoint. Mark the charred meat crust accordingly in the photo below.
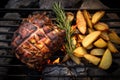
(36, 39)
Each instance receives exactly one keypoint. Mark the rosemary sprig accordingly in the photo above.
(65, 24)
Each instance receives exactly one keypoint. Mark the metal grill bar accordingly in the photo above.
(7, 41)
(80, 76)
(11, 26)
(20, 19)
(50, 65)
(7, 56)
(66, 9)
(17, 65)
(7, 19)
(5, 48)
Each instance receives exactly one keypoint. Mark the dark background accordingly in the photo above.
(109, 3)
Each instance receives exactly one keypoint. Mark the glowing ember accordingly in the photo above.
(56, 61)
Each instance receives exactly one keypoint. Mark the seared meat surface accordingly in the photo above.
(36, 39)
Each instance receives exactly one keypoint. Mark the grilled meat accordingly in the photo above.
(36, 39)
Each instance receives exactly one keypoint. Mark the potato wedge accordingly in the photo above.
(66, 58)
(90, 38)
(78, 45)
(112, 48)
(100, 43)
(93, 59)
(73, 28)
(97, 16)
(97, 52)
(114, 37)
(90, 46)
(80, 52)
(75, 59)
(74, 42)
(81, 36)
(70, 16)
(101, 26)
(87, 18)
(106, 60)
(80, 21)
(90, 30)
(104, 35)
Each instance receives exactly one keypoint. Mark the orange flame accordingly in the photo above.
(48, 61)
(56, 61)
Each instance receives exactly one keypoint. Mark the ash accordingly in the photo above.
(70, 70)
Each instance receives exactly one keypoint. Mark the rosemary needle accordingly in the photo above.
(65, 24)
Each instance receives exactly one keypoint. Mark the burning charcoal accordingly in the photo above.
(5, 61)
(56, 72)
(9, 16)
(97, 72)
(47, 4)
(116, 73)
(96, 4)
(65, 71)
(12, 4)
(21, 3)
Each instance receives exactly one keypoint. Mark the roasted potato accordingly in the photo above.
(80, 21)
(106, 60)
(90, 38)
(97, 16)
(93, 59)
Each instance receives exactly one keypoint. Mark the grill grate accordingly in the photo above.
(29, 74)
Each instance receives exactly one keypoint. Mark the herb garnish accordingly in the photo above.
(65, 24)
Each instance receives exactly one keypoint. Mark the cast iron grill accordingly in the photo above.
(19, 71)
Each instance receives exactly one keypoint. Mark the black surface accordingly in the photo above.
(111, 3)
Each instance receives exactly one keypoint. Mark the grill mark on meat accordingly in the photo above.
(36, 41)
(47, 28)
(53, 33)
(30, 19)
(39, 20)
(31, 35)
